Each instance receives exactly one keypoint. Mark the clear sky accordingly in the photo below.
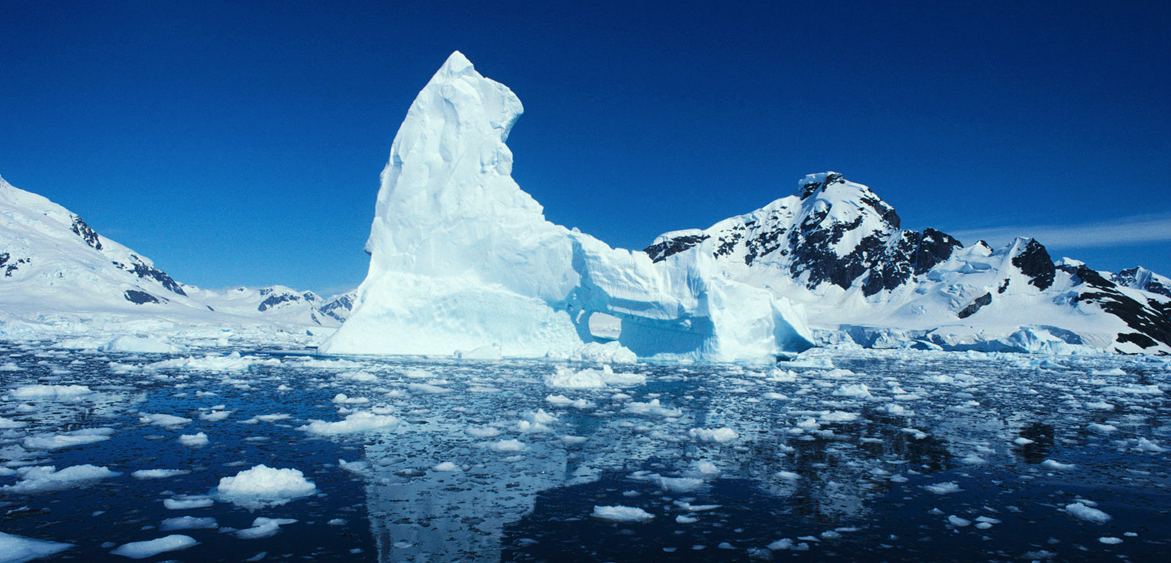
(239, 143)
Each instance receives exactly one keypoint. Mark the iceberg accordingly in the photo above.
(462, 258)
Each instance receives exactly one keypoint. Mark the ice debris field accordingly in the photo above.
(266, 455)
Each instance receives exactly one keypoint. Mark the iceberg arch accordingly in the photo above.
(461, 258)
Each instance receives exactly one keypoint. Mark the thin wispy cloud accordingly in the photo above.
(1123, 231)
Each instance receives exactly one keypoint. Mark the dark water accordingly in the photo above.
(887, 457)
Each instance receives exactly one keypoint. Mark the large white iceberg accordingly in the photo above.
(462, 258)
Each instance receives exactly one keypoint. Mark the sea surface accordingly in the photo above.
(849, 456)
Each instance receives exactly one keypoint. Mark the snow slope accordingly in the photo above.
(463, 259)
(838, 249)
(59, 276)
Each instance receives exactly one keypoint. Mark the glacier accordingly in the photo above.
(462, 259)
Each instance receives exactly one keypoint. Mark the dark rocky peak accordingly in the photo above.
(339, 307)
(668, 245)
(275, 299)
(148, 272)
(1033, 260)
(1144, 279)
(86, 233)
(814, 183)
(934, 247)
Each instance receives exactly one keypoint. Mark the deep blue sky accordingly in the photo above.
(240, 142)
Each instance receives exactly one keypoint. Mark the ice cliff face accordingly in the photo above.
(463, 259)
(838, 249)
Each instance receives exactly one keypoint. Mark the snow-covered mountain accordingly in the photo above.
(57, 273)
(838, 249)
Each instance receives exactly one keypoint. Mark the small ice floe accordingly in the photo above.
(142, 345)
(507, 446)
(17, 549)
(713, 435)
(264, 486)
(607, 353)
(1101, 428)
(563, 401)
(687, 506)
(1051, 464)
(151, 548)
(343, 399)
(621, 514)
(426, 389)
(263, 527)
(1088, 513)
(359, 376)
(49, 392)
(197, 440)
(1110, 540)
(681, 519)
(46, 478)
(482, 431)
(854, 390)
(356, 422)
(589, 378)
(164, 420)
(11, 366)
(1145, 445)
(788, 476)
(62, 440)
(215, 414)
(159, 473)
(446, 467)
(958, 522)
(8, 423)
(188, 502)
(652, 408)
(680, 484)
(946, 488)
(188, 523)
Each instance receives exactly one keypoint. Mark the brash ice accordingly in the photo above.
(462, 259)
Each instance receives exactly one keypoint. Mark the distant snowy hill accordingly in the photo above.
(838, 249)
(58, 274)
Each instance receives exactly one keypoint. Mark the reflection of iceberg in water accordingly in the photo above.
(812, 456)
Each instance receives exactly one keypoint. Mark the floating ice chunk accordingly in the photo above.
(164, 420)
(49, 392)
(716, 435)
(622, 514)
(263, 527)
(1051, 464)
(811, 362)
(567, 378)
(507, 446)
(680, 484)
(445, 467)
(264, 486)
(482, 431)
(1087, 513)
(1114, 371)
(215, 415)
(8, 423)
(359, 376)
(197, 440)
(11, 366)
(574, 440)
(142, 345)
(188, 502)
(47, 478)
(653, 408)
(158, 473)
(233, 362)
(1102, 428)
(788, 475)
(17, 549)
(854, 390)
(188, 523)
(1110, 540)
(839, 416)
(608, 353)
(687, 506)
(783, 544)
(958, 522)
(342, 399)
(946, 488)
(681, 519)
(144, 549)
(563, 401)
(426, 389)
(1100, 406)
(1022, 441)
(1146, 445)
(354, 423)
(67, 439)
(355, 467)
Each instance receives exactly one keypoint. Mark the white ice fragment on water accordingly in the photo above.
(608, 353)
(8, 423)
(788, 475)
(1051, 464)
(1146, 445)
(958, 522)
(164, 420)
(158, 473)
(688, 507)
(681, 519)
(426, 389)
(782, 544)
(1100, 406)
(359, 376)
(187, 503)
(1087, 513)
(507, 446)
(622, 514)
(11, 366)
(446, 467)
(1102, 428)
(215, 415)
(356, 422)
(1022, 441)
(264, 486)
(680, 484)
(142, 345)
(946, 488)
(188, 523)
(482, 431)
(18, 549)
(49, 392)
(563, 401)
(67, 439)
(47, 478)
(854, 390)
(1110, 540)
(713, 435)
(342, 399)
(839, 416)
(144, 549)
(197, 440)
(590, 378)
(653, 408)
(263, 527)
(232, 362)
